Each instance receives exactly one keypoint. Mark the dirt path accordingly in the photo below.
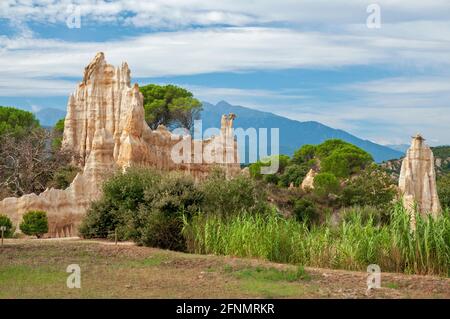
(37, 269)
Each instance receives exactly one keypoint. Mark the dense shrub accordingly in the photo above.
(34, 223)
(304, 154)
(305, 210)
(122, 196)
(294, 174)
(64, 176)
(443, 188)
(229, 197)
(325, 184)
(373, 187)
(145, 206)
(255, 168)
(6, 222)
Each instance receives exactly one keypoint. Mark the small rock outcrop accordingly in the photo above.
(106, 129)
(417, 180)
(308, 181)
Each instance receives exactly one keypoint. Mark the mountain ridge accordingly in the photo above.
(293, 133)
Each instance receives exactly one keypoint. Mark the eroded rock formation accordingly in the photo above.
(105, 127)
(417, 180)
(308, 181)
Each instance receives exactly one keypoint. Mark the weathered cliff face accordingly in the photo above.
(417, 180)
(105, 127)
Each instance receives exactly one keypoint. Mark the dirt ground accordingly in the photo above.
(37, 269)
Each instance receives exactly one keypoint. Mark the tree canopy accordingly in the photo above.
(170, 105)
(16, 122)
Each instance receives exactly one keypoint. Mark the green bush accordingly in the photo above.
(230, 197)
(294, 174)
(255, 168)
(6, 222)
(373, 187)
(325, 184)
(34, 223)
(304, 154)
(443, 188)
(145, 206)
(271, 179)
(63, 177)
(305, 211)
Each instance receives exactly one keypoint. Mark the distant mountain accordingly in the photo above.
(293, 134)
(49, 116)
(398, 147)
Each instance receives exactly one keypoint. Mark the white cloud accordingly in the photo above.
(214, 50)
(403, 85)
(181, 13)
(23, 86)
(186, 52)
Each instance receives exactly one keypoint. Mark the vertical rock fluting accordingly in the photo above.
(417, 180)
(105, 127)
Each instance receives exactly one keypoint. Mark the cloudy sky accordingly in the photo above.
(303, 59)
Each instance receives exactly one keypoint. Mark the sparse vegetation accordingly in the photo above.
(28, 163)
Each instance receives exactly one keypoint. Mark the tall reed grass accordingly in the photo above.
(353, 244)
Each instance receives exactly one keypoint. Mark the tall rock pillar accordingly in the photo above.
(418, 178)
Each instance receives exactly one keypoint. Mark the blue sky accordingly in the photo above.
(303, 59)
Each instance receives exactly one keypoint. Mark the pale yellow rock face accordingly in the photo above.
(105, 127)
(308, 181)
(417, 181)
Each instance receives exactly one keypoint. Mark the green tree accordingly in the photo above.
(304, 154)
(170, 105)
(255, 168)
(341, 158)
(325, 184)
(16, 122)
(34, 223)
(6, 222)
(443, 188)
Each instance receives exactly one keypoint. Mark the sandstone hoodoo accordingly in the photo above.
(417, 180)
(106, 129)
